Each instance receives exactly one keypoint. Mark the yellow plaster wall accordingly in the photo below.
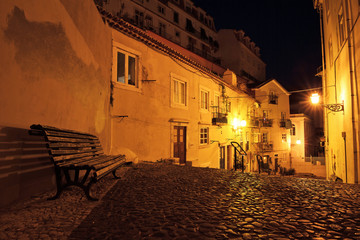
(54, 70)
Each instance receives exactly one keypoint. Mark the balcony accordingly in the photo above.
(254, 122)
(266, 146)
(265, 122)
(285, 123)
(273, 99)
(218, 117)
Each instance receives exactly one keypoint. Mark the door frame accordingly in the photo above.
(180, 123)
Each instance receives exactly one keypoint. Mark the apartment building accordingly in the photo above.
(271, 128)
(240, 54)
(178, 21)
(339, 20)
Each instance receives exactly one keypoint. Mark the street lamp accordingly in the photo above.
(337, 107)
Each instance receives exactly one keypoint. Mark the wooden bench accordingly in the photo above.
(79, 156)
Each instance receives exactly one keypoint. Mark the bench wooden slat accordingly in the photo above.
(106, 170)
(45, 127)
(67, 157)
(72, 140)
(69, 135)
(86, 161)
(74, 151)
(72, 145)
(101, 165)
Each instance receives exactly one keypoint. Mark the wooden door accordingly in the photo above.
(180, 143)
(222, 157)
(229, 157)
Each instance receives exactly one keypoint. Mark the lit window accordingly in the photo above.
(179, 92)
(292, 130)
(204, 98)
(265, 137)
(204, 135)
(126, 71)
(341, 23)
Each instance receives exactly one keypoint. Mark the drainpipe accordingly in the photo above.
(355, 111)
(324, 83)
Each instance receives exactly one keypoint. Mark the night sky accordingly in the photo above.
(287, 32)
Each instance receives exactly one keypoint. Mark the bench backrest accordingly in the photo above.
(67, 145)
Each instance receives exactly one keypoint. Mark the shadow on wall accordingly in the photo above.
(25, 167)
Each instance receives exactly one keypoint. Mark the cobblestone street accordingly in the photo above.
(162, 201)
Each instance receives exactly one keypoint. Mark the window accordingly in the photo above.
(292, 130)
(228, 107)
(161, 9)
(176, 17)
(327, 9)
(341, 23)
(247, 146)
(139, 18)
(162, 29)
(204, 100)
(204, 135)
(283, 137)
(283, 115)
(265, 137)
(126, 68)
(192, 44)
(273, 99)
(179, 92)
(149, 22)
(265, 114)
(331, 58)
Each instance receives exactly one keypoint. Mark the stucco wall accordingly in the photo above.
(54, 70)
(148, 129)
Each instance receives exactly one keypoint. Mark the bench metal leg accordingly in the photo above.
(87, 190)
(59, 186)
(114, 174)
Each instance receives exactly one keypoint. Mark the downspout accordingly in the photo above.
(324, 83)
(355, 111)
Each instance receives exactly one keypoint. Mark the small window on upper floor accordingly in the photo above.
(204, 99)
(293, 130)
(341, 25)
(179, 92)
(283, 137)
(273, 98)
(176, 17)
(331, 56)
(161, 9)
(126, 68)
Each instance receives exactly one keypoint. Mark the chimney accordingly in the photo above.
(230, 77)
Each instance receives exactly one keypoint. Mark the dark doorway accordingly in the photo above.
(222, 157)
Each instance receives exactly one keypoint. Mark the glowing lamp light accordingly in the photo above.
(243, 123)
(236, 123)
(315, 98)
(298, 142)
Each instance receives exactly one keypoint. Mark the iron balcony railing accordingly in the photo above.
(218, 116)
(266, 146)
(265, 122)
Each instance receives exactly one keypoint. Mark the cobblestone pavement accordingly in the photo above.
(162, 201)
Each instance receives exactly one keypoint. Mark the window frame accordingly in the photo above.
(204, 105)
(119, 48)
(341, 25)
(204, 136)
(173, 103)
